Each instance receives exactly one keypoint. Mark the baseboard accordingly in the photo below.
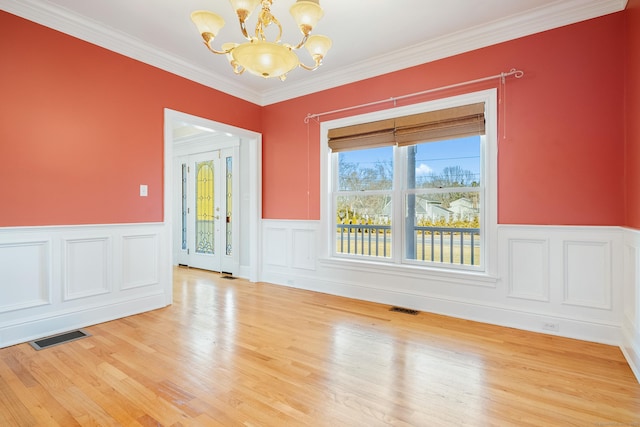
(586, 330)
(54, 323)
(244, 272)
(631, 347)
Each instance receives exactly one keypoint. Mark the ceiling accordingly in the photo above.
(370, 37)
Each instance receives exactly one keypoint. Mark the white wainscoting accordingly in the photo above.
(565, 281)
(631, 320)
(53, 279)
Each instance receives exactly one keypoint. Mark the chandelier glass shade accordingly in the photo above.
(257, 55)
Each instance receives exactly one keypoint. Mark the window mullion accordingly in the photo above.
(333, 183)
(399, 185)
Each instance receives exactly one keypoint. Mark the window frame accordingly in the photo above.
(489, 150)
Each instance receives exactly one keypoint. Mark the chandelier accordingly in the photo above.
(258, 55)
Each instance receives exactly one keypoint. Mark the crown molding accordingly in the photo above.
(558, 14)
(49, 15)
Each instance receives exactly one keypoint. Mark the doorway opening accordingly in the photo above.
(188, 138)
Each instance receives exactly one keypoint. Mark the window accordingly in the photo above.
(417, 187)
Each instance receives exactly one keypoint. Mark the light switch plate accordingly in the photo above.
(144, 191)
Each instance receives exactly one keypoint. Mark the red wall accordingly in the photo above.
(82, 127)
(633, 114)
(563, 156)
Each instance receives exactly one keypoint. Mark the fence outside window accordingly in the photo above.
(446, 245)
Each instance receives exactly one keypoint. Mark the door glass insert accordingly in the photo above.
(184, 206)
(229, 181)
(205, 207)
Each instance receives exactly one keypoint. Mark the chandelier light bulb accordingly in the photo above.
(244, 8)
(318, 46)
(208, 24)
(306, 14)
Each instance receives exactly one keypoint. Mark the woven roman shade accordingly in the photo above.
(365, 135)
(448, 123)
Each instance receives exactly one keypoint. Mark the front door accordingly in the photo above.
(207, 214)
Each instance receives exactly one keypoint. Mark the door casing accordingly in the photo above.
(250, 143)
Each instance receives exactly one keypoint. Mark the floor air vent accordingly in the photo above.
(59, 339)
(404, 310)
(228, 277)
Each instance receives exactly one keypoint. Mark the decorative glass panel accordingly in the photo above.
(229, 205)
(204, 208)
(184, 206)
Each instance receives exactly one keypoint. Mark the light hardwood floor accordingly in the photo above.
(230, 352)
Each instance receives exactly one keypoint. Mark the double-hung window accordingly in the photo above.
(416, 186)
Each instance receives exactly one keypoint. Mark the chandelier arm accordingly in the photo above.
(275, 21)
(212, 50)
(237, 68)
(243, 28)
(315, 67)
(299, 45)
(265, 19)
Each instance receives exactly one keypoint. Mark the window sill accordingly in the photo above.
(463, 277)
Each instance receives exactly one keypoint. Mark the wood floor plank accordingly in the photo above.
(29, 396)
(230, 353)
(14, 409)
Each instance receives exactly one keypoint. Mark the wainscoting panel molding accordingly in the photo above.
(631, 324)
(87, 266)
(59, 278)
(279, 243)
(529, 269)
(140, 257)
(304, 250)
(25, 274)
(587, 273)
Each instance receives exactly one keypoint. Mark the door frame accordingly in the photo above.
(254, 163)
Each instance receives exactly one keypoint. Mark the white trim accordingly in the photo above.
(557, 14)
(631, 347)
(581, 328)
(93, 271)
(631, 322)
(41, 265)
(54, 288)
(254, 140)
(474, 297)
